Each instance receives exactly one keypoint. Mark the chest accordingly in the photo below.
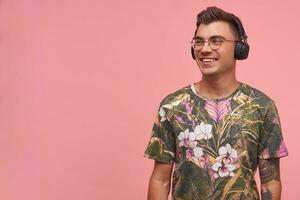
(208, 130)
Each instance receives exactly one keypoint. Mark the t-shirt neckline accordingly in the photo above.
(216, 99)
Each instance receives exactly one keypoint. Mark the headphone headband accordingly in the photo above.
(240, 28)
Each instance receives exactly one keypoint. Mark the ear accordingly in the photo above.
(193, 53)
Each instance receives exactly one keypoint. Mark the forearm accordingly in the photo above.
(271, 191)
(158, 189)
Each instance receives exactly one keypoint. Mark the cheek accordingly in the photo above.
(227, 54)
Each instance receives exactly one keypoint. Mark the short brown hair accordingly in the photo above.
(213, 13)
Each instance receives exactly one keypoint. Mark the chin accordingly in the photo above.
(209, 74)
(208, 71)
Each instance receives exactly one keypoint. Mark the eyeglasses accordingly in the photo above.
(213, 42)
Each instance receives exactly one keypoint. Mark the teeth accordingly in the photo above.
(208, 59)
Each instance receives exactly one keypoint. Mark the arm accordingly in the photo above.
(270, 179)
(160, 181)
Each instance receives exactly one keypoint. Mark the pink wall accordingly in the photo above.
(80, 82)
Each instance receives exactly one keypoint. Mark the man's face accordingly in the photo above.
(224, 55)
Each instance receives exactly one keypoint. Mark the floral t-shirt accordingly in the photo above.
(216, 143)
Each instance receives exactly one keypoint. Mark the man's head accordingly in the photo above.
(215, 38)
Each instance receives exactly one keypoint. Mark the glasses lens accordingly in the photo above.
(198, 44)
(215, 43)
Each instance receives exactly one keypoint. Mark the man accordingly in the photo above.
(217, 131)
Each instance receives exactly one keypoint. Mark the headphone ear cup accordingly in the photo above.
(193, 53)
(241, 51)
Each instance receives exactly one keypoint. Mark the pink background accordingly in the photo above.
(81, 81)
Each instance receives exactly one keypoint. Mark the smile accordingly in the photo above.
(208, 60)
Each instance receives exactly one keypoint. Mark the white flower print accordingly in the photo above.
(182, 136)
(162, 114)
(198, 152)
(186, 139)
(226, 162)
(203, 131)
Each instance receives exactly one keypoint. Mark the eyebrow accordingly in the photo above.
(214, 36)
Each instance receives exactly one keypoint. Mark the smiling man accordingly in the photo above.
(213, 134)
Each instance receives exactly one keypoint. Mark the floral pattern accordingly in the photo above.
(215, 143)
(224, 165)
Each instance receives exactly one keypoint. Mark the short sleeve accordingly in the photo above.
(271, 144)
(162, 143)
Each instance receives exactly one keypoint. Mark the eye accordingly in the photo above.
(198, 42)
(216, 41)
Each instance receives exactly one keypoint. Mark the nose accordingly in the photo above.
(206, 47)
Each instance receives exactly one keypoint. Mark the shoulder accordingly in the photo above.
(176, 96)
(260, 97)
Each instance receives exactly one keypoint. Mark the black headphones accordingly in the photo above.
(241, 50)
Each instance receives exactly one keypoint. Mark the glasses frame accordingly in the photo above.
(209, 42)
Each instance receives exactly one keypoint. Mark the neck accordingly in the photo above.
(217, 87)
